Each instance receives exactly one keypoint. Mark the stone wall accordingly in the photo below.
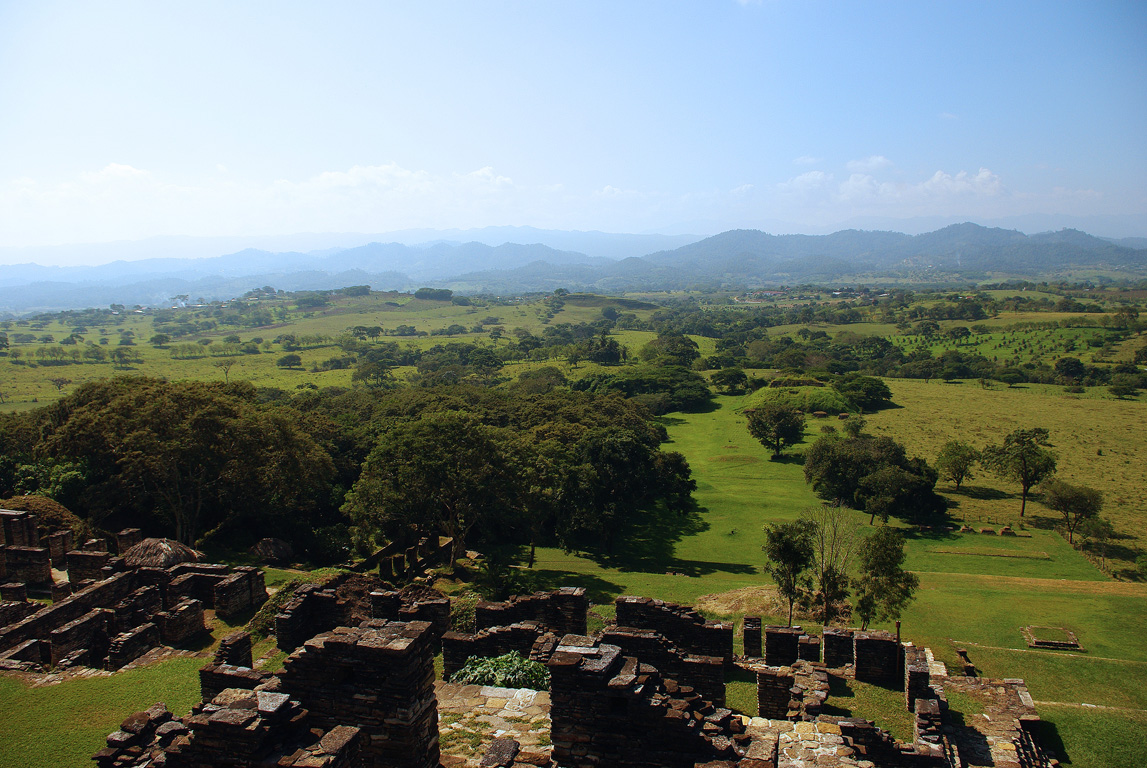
(781, 645)
(682, 626)
(242, 591)
(561, 611)
(608, 709)
(128, 646)
(878, 659)
(838, 647)
(808, 648)
(181, 622)
(311, 610)
(59, 544)
(775, 698)
(379, 677)
(457, 647)
(126, 539)
(12, 611)
(89, 632)
(703, 674)
(32, 565)
(235, 649)
(41, 623)
(917, 680)
(18, 529)
(86, 564)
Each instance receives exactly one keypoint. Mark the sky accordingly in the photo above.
(129, 120)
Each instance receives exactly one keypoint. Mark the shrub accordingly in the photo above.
(508, 671)
(462, 611)
(807, 399)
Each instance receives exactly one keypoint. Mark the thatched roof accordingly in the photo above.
(159, 553)
(272, 551)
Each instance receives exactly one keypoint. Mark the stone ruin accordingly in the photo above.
(630, 697)
(104, 614)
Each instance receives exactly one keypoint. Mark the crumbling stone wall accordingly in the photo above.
(41, 623)
(562, 611)
(86, 564)
(312, 610)
(917, 680)
(683, 626)
(88, 633)
(181, 622)
(808, 648)
(608, 709)
(457, 647)
(704, 674)
(795, 693)
(238, 728)
(126, 539)
(59, 544)
(128, 646)
(241, 591)
(380, 677)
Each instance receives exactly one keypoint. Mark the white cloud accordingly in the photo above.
(868, 164)
(742, 190)
(807, 160)
(949, 116)
(807, 182)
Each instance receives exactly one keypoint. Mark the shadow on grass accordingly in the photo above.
(981, 492)
(597, 589)
(933, 534)
(668, 421)
(199, 642)
(789, 458)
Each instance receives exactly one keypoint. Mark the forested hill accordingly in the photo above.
(958, 249)
(737, 259)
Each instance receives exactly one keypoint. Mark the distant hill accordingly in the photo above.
(734, 259)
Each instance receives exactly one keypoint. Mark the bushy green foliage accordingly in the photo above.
(806, 399)
(508, 671)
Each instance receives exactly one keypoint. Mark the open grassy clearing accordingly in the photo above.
(1100, 442)
(63, 725)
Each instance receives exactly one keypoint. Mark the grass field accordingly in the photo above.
(978, 591)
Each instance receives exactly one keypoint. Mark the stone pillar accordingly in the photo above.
(878, 658)
(808, 648)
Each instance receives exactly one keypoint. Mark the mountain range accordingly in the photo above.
(580, 260)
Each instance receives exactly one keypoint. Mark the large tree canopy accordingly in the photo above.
(192, 454)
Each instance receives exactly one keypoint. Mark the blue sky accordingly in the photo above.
(129, 120)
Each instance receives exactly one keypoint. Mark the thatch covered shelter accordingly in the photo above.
(159, 553)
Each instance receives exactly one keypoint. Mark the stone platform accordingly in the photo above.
(470, 717)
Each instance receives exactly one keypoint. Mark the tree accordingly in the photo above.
(443, 474)
(59, 382)
(1070, 369)
(854, 425)
(1076, 503)
(1022, 458)
(730, 379)
(1099, 530)
(225, 366)
(194, 454)
(835, 538)
(776, 426)
(884, 588)
(955, 461)
(789, 549)
(159, 339)
(289, 361)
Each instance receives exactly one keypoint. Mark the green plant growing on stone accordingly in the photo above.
(506, 671)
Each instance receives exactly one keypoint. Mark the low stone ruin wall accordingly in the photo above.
(242, 591)
(683, 626)
(609, 709)
(561, 611)
(181, 622)
(237, 728)
(751, 633)
(18, 529)
(88, 633)
(703, 674)
(60, 544)
(128, 646)
(86, 564)
(458, 647)
(795, 693)
(311, 610)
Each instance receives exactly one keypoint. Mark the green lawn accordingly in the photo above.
(63, 725)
